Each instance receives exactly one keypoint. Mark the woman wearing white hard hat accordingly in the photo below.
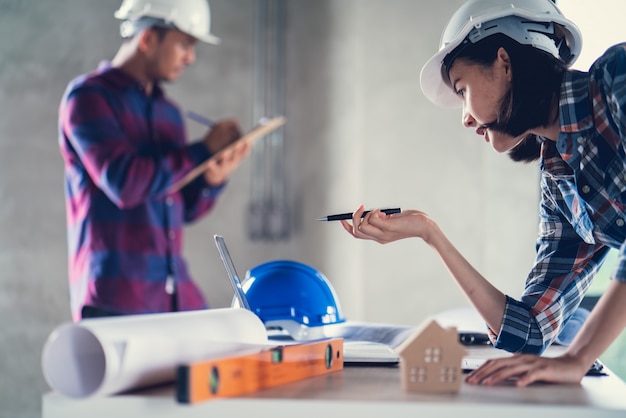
(505, 63)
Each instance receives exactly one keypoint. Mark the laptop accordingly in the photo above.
(231, 272)
(368, 344)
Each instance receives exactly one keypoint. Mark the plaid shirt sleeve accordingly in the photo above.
(199, 198)
(564, 267)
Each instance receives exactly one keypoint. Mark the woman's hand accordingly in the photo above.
(525, 369)
(383, 228)
(606, 321)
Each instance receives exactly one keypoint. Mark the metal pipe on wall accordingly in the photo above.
(269, 210)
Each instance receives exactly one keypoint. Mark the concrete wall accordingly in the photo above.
(359, 131)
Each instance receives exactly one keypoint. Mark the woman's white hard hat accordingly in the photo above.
(529, 22)
(192, 17)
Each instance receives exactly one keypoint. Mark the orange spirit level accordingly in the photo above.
(238, 375)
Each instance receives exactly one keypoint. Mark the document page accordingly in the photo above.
(369, 342)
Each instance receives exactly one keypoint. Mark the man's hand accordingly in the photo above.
(222, 134)
(219, 169)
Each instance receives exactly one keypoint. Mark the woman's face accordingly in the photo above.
(481, 90)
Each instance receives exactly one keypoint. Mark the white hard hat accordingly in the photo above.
(192, 17)
(529, 22)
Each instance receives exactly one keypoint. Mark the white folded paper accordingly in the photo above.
(104, 356)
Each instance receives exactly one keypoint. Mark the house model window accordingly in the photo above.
(417, 374)
(449, 374)
(433, 355)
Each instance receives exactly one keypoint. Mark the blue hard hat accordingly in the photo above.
(292, 296)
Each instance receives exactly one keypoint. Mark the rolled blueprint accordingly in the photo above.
(104, 356)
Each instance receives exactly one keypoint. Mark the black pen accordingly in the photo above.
(346, 216)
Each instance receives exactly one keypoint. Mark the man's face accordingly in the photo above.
(169, 54)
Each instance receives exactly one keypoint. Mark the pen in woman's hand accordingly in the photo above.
(342, 216)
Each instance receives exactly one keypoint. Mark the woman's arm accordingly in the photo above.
(486, 298)
(383, 228)
(554, 288)
(606, 322)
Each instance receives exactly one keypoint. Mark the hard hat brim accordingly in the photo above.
(432, 84)
(209, 39)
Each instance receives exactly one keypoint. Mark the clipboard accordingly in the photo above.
(264, 127)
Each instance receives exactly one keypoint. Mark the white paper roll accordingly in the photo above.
(104, 356)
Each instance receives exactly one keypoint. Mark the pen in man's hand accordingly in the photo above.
(199, 118)
(346, 216)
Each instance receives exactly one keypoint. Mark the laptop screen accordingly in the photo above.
(231, 271)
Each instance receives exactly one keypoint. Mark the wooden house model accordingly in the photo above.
(431, 359)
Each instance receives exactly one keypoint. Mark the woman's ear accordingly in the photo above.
(504, 61)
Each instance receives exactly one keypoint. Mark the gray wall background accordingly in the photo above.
(359, 131)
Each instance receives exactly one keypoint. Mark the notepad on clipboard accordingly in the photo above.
(264, 127)
(364, 343)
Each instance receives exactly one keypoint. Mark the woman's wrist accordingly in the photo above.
(579, 360)
(432, 234)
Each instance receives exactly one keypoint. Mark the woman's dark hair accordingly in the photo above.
(536, 82)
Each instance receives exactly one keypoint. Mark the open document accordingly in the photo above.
(369, 343)
(375, 343)
(364, 343)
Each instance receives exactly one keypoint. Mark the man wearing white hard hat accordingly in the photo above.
(506, 65)
(126, 153)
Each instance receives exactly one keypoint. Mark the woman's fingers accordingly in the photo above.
(526, 369)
